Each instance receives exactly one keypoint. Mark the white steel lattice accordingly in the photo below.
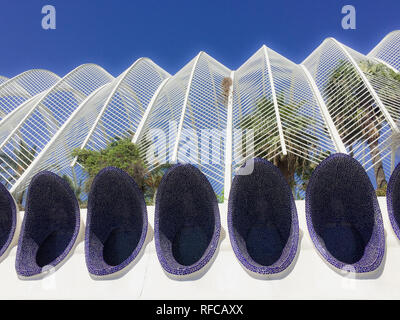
(123, 108)
(158, 130)
(274, 98)
(32, 134)
(362, 120)
(337, 100)
(255, 107)
(8, 123)
(388, 50)
(201, 133)
(24, 86)
(57, 155)
(191, 109)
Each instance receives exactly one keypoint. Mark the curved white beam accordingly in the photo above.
(275, 100)
(23, 74)
(339, 145)
(23, 87)
(184, 105)
(116, 87)
(54, 139)
(376, 48)
(229, 141)
(371, 90)
(82, 81)
(139, 132)
(42, 99)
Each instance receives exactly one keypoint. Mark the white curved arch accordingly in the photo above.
(336, 68)
(303, 114)
(252, 88)
(388, 50)
(203, 121)
(370, 88)
(190, 100)
(275, 100)
(184, 105)
(165, 114)
(78, 129)
(138, 134)
(56, 155)
(268, 84)
(143, 76)
(24, 86)
(41, 123)
(339, 145)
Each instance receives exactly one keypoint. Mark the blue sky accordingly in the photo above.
(115, 33)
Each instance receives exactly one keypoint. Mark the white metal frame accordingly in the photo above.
(188, 99)
(87, 77)
(54, 139)
(229, 141)
(275, 100)
(139, 132)
(184, 105)
(327, 117)
(371, 90)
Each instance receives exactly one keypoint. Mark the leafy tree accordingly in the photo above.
(125, 155)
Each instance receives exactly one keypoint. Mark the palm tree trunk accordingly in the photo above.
(378, 165)
(282, 162)
(373, 143)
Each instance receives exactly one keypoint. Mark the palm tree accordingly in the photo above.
(359, 119)
(266, 142)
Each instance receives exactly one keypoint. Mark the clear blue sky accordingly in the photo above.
(114, 33)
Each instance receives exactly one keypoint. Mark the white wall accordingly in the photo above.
(311, 278)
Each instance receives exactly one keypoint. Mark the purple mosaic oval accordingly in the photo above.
(262, 220)
(393, 200)
(116, 226)
(8, 219)
(343, 215)
(187, 222)
(50, 227)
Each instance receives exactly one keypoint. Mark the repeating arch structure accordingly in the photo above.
(192, 110)
(388, 50)
(336, 101)
(31, 135)
(111, 111)
(274, 99)
(24, 86)
(123, 107)
(363, 106)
